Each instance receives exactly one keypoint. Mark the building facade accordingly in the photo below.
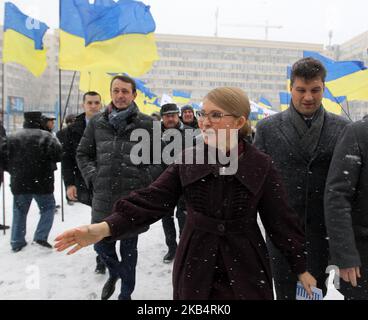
(198, 64)
(355, 49)
(192, 64)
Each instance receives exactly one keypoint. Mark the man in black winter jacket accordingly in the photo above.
(31, 156)
(76, 189)
(188, 116)
(346, 210)
(104, 158)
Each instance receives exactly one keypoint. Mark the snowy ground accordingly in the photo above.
(37, 273)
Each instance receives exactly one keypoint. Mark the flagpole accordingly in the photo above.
(347, 107)
(2, 114)
(68, 99)
(61, 173)
(78, 101)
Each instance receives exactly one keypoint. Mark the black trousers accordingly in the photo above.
(168, 225)
(285, 280)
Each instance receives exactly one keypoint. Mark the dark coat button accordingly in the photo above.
(221, 227)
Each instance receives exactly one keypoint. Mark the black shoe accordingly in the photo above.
(70, 203)
(4, 227)
(169, 256)
(109, 288)
(44, 243)
(100, 267)
(19, 248)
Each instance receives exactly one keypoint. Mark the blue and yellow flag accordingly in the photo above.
(23, 40)
(263, 102)
(181, 97)
(285, 99)
(107, 36)
(331, 103)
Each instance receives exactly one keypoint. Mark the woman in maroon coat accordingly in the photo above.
(222, 253)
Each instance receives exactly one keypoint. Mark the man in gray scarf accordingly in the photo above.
(301, 141)
(104, 159)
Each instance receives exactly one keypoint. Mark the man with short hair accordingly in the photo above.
(104, 158)
(188, 117)
(31, 156)
(346, 210)
(48, 123)
(170, 120)
(70, 119)
(301, 141)
(70, 136)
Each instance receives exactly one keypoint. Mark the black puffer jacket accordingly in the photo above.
(70, 138)
(103, 156)
(31, 156)
(346, 195)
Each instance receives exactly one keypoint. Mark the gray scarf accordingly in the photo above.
(309, 137)
(118, 118)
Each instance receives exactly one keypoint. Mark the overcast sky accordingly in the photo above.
(301, 21)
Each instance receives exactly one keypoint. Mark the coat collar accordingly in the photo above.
(327, 133)
(253, 167)
(131, 121)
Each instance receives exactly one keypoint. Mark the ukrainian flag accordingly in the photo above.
(107, 36)
(146, 100)
(263, 102)
(353, 86)
(332, 103)
(181, 97)
(344, 78)
(23, 40)
(285, 98)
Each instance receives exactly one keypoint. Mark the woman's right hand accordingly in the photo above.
(82, 237)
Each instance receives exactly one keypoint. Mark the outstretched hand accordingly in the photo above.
(79, 238)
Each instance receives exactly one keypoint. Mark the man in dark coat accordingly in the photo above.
(48, 123)
(76, 189)
(346, 210)
(188, 116)
(301, 141)
(170, 120)
(31, 156)
(104, 158)
(2, 143)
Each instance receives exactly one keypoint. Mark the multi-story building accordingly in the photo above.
(196, 65)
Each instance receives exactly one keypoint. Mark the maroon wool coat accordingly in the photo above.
(222, 253)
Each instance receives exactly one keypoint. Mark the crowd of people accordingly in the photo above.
(304, 173)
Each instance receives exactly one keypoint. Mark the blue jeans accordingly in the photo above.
(124, 269)
(21, 204)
